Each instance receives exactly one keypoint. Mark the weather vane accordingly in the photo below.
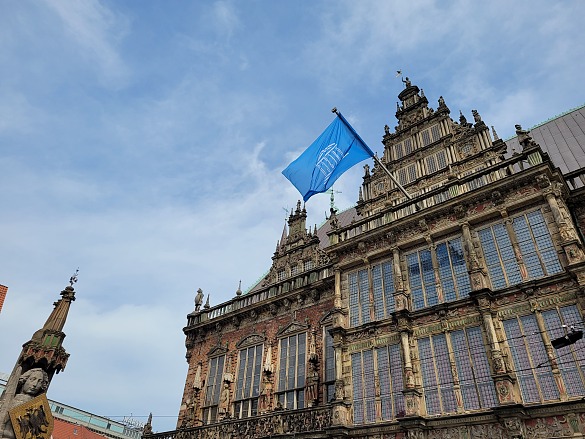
(73, 279)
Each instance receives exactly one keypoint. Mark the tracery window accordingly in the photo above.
(291, 375)
(329, 378)
(408, 146)
(474, 378)
(452, 272)
(365, 307)
(534, 244)
(213, 388)
(248, 382)
(533, 369)
(386, 361)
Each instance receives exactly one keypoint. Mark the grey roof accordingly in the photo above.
(344, 218)
(563, 137)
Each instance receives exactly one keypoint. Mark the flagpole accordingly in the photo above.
(374, 156)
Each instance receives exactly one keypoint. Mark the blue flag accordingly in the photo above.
(336, 150)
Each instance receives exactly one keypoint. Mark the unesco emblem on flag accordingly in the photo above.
(329, 158)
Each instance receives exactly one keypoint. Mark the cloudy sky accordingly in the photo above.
(143, 143)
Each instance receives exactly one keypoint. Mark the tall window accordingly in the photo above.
(570, 359)
(291, 376)
(387, 362)
(535, 245)
(213, 389)
(452, 271)
(474, 378)
(248, 382)
(398, 151)
(407, 174)
(531, 362)
(365, 307)
(436, 161)
(329, 378)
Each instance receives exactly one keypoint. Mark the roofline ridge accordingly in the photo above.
(551, 119)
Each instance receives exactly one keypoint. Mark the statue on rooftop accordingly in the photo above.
(198, 299)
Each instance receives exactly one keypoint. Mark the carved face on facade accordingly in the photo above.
(34, 382)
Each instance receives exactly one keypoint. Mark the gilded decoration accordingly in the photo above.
(33, 419)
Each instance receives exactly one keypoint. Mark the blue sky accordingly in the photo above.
(143, 142)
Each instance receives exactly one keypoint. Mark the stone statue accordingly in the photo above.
(476, 116)
(30, 384)
(148, 426)
(224, 399)
(198, 299)
(265, 399)
(407, 82)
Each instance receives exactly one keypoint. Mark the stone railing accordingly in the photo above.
(449, 190)
(245, 301)
(282, 422)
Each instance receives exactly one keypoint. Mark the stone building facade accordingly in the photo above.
(408, 319)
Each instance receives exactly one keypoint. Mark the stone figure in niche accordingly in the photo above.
(311, 388)
(224, 399)
(30, 384)
(265, 399)
(198, 299)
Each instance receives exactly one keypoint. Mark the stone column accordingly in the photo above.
(506, 385)
(400, 294)
(477, 272)
(515, 245)
(412, 394)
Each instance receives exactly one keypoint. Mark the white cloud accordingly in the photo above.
(97, 31)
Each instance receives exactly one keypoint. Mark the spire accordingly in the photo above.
(284, 235)
(239, 290)
(43, 352)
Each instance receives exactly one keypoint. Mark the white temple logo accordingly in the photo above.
(329, 158)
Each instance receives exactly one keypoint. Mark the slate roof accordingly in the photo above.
(563, 137)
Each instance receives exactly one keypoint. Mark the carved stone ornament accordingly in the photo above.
(514, 427)
(251, 340)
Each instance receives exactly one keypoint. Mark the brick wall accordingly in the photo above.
(3, 291)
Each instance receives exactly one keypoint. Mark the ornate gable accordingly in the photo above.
(293, 328)
(217, 351)
(427, 150)
(251, 340)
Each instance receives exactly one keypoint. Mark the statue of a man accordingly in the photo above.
(30, 384)
(198, 299)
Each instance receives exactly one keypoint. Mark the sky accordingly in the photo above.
(143, 143)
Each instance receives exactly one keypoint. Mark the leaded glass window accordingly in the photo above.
(213, 388)
(530, 360)
(473, 371)
(391, 381)
(386, 362)
(291, 376)
(373, 301)
(437, 375)
(570, 359)
(408, 146)
(248, 382)
(453, 275)
(435, 133)
(364, 403)
(329, 378)
(426, 137)
(398, 152)
(535, 245)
